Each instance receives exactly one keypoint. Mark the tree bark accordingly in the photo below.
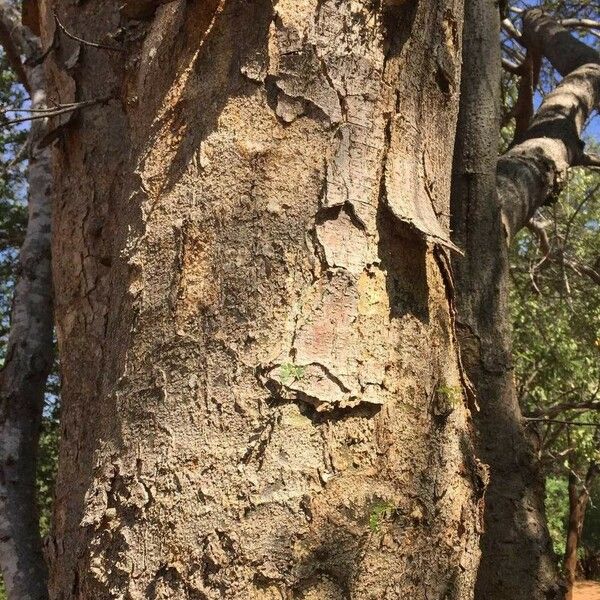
(517, 560)
(578, 499)
(29, 353)
(262, 396)
(531, 174)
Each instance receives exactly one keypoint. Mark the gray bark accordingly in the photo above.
(29, 357)
(262, 397)
(517, 560)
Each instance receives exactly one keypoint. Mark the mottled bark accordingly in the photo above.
(29, 354)
(262, 396)
(532, 172)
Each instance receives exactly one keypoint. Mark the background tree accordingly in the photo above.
(29, 347)
(556, 316)
(13, 224)
(490, 206)
(13, 212)
(554, 323)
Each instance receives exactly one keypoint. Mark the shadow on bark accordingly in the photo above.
(403, 255)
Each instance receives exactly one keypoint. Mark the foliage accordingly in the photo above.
(380, 512)
(591, 526)
(556, 319)
(556, 307)
(47, 461)
(557, 511)
(452, 393)
(13, 212)
(290, 373)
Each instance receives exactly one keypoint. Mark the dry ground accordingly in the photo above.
(587, 590)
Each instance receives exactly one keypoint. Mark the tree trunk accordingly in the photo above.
(578, 500)
(517, 559)
(262, 396)
(29, 352)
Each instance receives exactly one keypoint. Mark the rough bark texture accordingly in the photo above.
(517, 560)
(262, 396)
(29, 355)
(532, 172)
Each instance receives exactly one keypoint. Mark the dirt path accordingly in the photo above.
(587, 590)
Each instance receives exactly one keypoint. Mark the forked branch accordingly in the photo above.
(532, 172)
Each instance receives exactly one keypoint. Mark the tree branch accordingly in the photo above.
(588, 159)
(531, 173)
(586, 270)
(12, 54)
(523, 109)
(76, 38)
(556, 409)
(60, 109)
(562, 422)
(511, 67)
(565, 52)
(580, 23)
(510, 28)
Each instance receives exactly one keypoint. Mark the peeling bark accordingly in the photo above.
(29, 355)
(517, 560)
(262, 396)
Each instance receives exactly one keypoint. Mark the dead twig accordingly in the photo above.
(97, 45)
(55, 112)
(48, 109)
(560, 421)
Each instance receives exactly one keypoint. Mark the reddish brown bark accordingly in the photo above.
(579, 496)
